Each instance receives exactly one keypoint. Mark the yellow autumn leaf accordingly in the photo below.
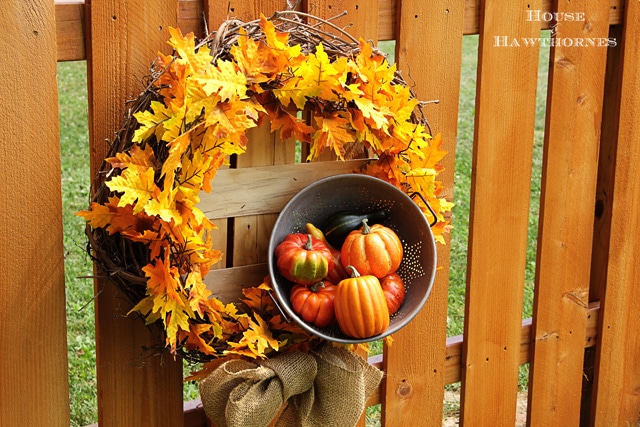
(225, 80)
(185, 47)
(137, 185)
(375, 113)
(163, 206)
(258, 338)
(135, 156)
(151, 121)
(317, 76)
(175, 320)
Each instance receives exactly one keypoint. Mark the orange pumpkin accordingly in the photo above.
(315, 303)
(360, 306)
(375, 250)
(303, 259)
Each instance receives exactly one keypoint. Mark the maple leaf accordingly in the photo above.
(377, 114)
(163, 280)
(317, 76)
(332, 133)
(151, 121)
(261, 63)
(229, 122)
(256, 299)
(115, 219)
(195, 340)
(137, 185)
(135, 156)
(177, 148)
(289, 125)
(225, 80)
(175, 320)
(163, 206)
(255, 341)
(433, 152)
(185, 47)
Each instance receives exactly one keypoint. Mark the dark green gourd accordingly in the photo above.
(341, 223)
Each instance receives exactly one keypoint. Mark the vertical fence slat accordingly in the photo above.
(574, 111)
(133, 390)
(361, 19)
(428, 45)
(616, 398)
(502, 158)
(249, 235)
(33, 362)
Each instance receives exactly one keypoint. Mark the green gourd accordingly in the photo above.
(341, 223)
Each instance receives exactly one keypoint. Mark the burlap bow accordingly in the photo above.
(328, 387)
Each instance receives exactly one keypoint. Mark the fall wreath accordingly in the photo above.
(144, 226)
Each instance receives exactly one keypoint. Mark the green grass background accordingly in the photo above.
(72, 78)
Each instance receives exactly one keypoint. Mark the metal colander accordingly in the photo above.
(360, 194)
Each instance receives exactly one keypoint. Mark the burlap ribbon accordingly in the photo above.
(328, 387)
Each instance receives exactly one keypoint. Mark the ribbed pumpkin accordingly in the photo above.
(360, 306)
(337, 273)
(375, 250)
(303, 259)
(315, 303)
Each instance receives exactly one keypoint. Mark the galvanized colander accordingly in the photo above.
(360, 194)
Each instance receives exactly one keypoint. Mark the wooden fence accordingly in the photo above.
(582, 342)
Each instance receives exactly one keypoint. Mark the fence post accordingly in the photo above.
(34, 387)
(617, 380)
(123, 38)
(428, 46)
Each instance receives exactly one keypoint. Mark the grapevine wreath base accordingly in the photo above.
(145, 230)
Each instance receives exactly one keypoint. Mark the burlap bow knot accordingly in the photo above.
(328, 387)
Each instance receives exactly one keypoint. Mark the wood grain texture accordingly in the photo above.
(616, 398)
(135, 389)
(33, 360)
(415, 380)
(194, 414)
(262, 193)
(360, 17)
(572, 138)
(190, 19)
(501, 178)
(217, 11)
(70, 26)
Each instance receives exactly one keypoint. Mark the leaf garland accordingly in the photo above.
(205, 103)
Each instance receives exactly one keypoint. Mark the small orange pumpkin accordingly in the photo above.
(360, 306)
(375, 250)
(315, 303)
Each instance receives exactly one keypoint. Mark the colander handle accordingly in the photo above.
(277, 304)
(435, 218)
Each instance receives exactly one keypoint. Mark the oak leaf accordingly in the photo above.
(137, 186)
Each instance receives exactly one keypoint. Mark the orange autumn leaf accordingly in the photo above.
(332, 134)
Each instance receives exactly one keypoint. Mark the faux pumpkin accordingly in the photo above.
(394, 291)
(315, 303)
(303, 259)
(361, 309)
(375, 250)
(337, 273)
